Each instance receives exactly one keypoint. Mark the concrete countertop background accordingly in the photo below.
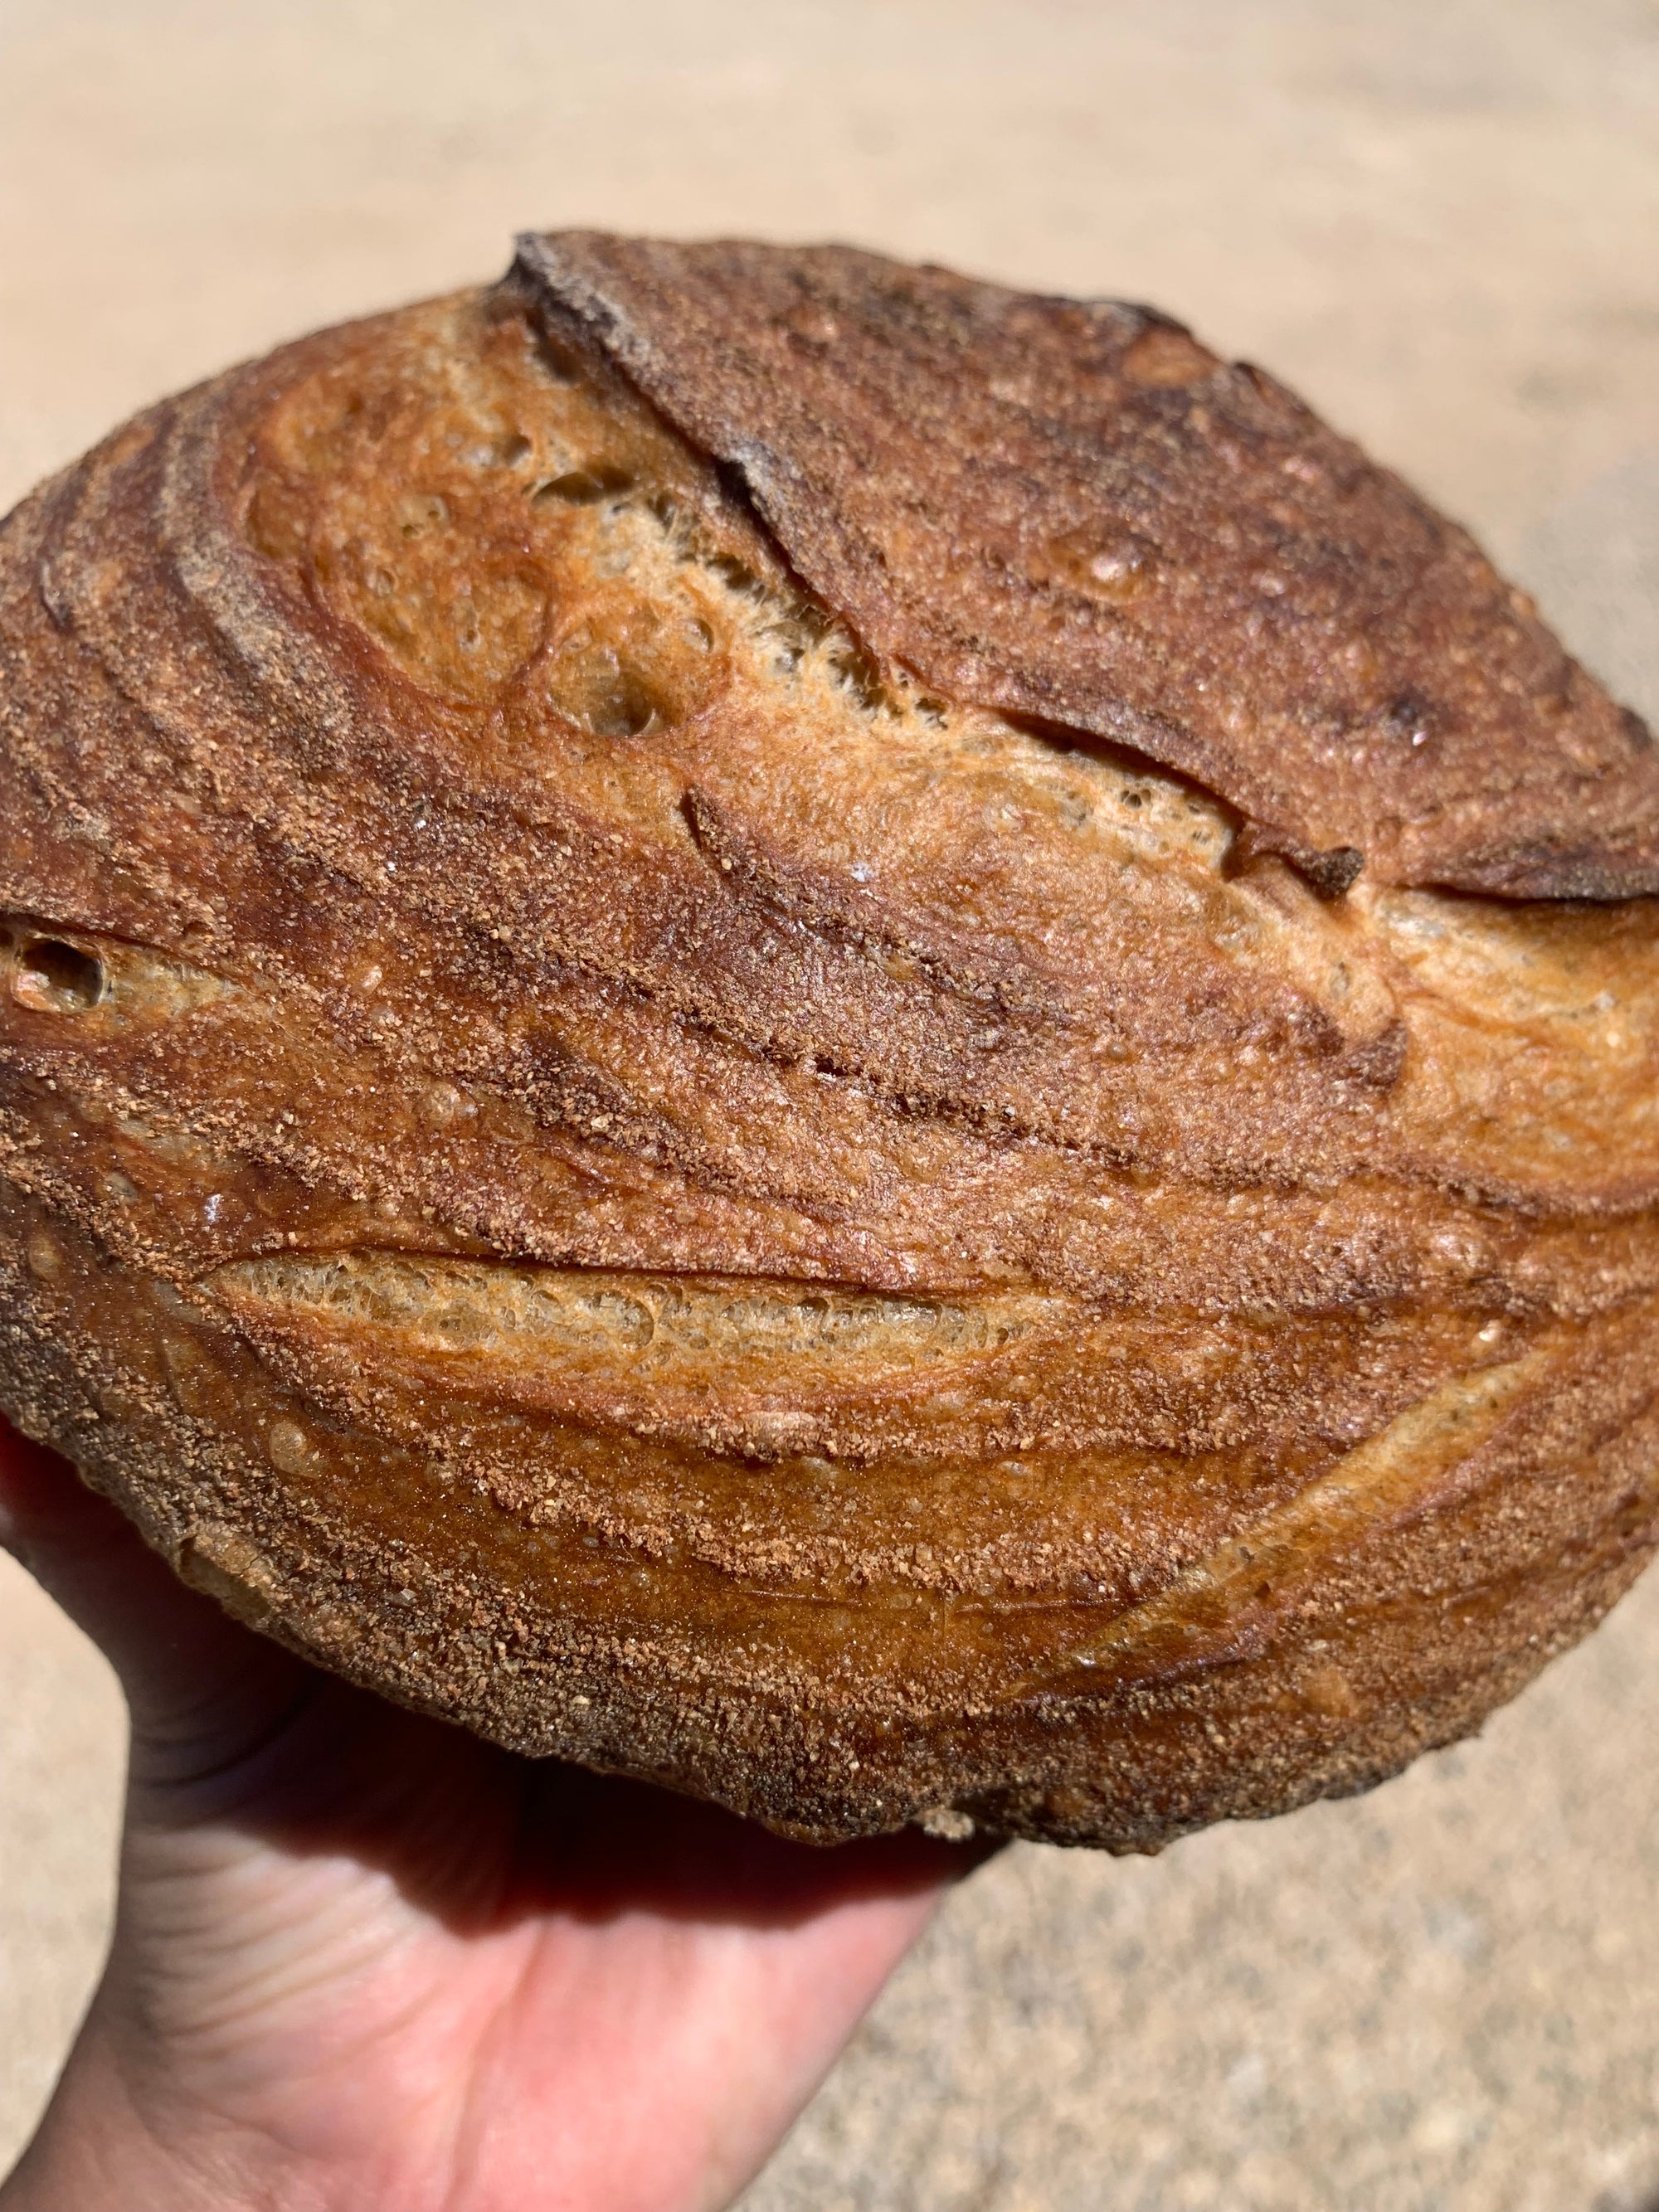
(1440, 221)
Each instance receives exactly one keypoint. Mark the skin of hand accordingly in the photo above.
(363, 1960)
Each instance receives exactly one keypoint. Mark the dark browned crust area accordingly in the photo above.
(1072, 509)
(602, 1159)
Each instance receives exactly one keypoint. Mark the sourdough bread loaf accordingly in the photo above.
(862, 1043)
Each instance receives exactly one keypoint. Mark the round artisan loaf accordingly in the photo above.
(863, 1042)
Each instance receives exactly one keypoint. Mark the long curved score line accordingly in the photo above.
(1211, 1615)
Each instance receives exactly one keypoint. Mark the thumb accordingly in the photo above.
(196, 1682)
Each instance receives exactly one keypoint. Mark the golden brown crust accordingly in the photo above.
(1072, 509)
(601, 1160)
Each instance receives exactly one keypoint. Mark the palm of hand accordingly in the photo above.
(362, 1959)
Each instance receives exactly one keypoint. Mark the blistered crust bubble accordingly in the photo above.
(604, 1137)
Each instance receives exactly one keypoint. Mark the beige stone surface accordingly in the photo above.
(1438, 220)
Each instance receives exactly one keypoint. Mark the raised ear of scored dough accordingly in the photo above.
(1071, 510)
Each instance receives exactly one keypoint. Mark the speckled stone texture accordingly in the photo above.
(1437, 223)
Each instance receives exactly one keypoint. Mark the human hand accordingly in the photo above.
(362, 1959)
